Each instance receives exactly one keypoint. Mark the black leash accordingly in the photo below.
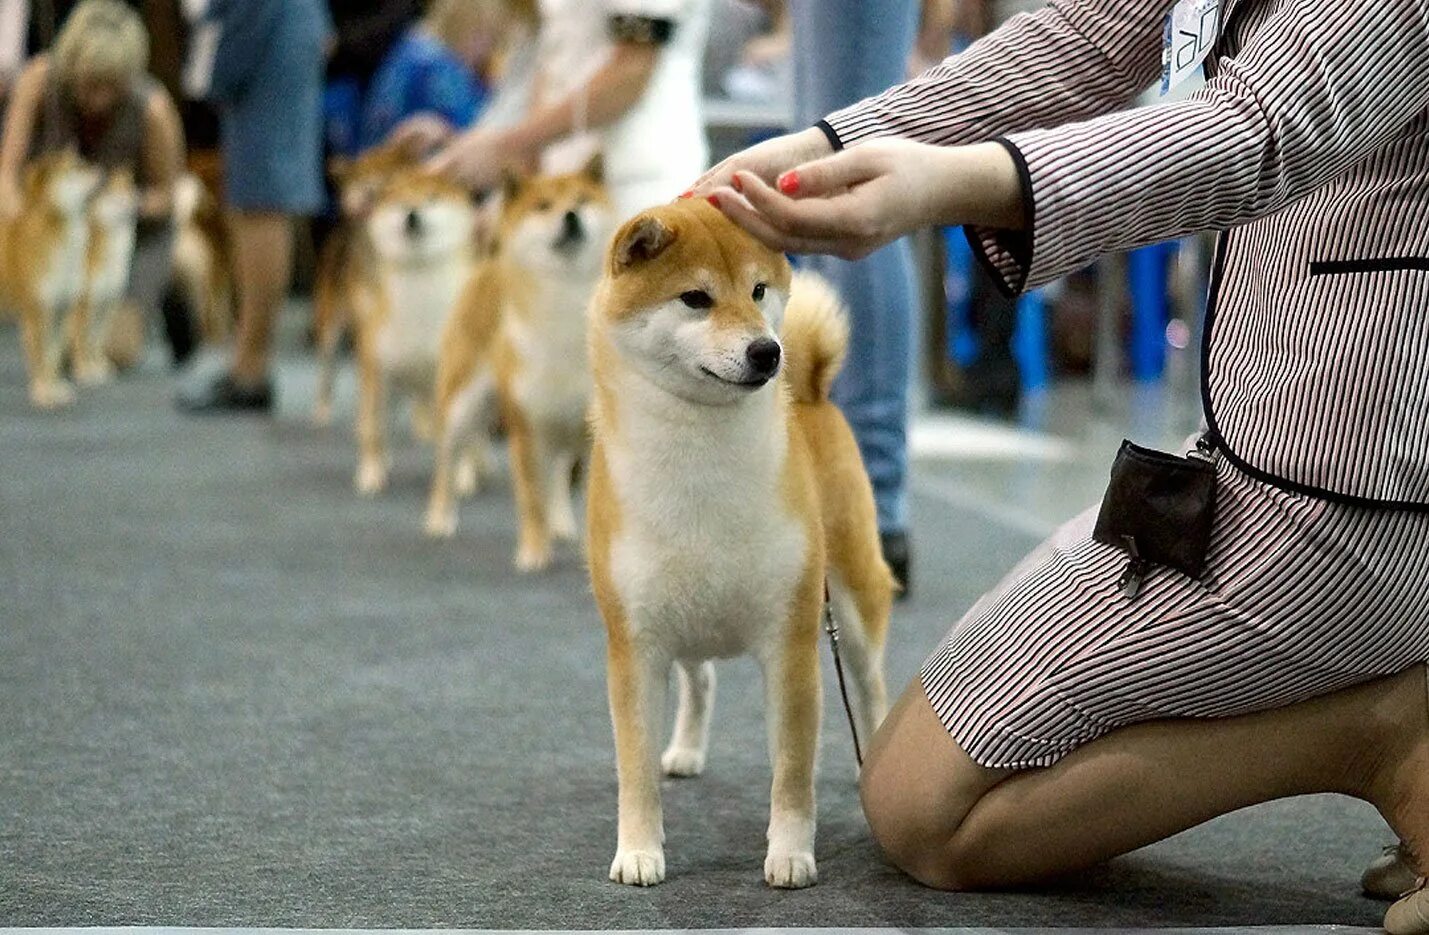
(832, 629)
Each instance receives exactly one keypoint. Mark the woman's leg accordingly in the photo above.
(263, 257)
(846, 50)
(953, 824)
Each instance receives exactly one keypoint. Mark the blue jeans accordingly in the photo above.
(844, 51)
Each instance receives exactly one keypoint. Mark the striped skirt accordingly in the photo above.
(1301, 597)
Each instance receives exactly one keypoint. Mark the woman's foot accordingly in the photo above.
(1391, 876)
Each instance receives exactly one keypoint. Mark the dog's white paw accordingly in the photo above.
(441, 523)
(790, 871)
(371, 477)
(52, 395)
(531, 557)
(322, 413)
(638, 868)
(682, 761)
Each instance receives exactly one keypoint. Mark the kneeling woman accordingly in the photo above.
(1067, 718)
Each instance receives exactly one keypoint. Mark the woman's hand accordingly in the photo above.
(855, 201)
(476, 159)
(421, 133)
(766, 159)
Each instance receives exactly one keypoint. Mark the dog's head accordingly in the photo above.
(557, 224)
(116, 204)
(62, 180)
(693, 302)
(360, 181)
(420, 217)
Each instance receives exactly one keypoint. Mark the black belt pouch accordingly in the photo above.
(1159, 509)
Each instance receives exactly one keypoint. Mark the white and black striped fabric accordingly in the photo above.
(1301, 597)
(1308, 147)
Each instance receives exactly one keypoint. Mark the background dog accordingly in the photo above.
(113, 214)
(725, 492)
(42, 266)
(520, 336)
(421, 231)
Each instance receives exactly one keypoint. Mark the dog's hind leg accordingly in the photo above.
(685, 756)
(862, 618)
(560, 508)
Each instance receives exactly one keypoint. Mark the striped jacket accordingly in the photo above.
(1308, 148)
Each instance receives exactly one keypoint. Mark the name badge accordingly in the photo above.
(1189, 34)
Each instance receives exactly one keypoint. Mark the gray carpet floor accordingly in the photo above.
(232, 693)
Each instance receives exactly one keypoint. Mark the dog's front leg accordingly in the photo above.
(638, 676)
(529, 453)
(371, 425)
(793, 696)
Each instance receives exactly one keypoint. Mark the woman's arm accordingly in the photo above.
(1069, 60)
(1312, 91)
(19, 131)
(478, 156)
(162, 155)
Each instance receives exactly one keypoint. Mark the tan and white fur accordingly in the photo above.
(725, 489)
(520, 337)
(42, 265)
(421, 231)
(113, 214)
(346, 276)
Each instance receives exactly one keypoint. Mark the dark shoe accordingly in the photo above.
(224, 395)
(896, 554)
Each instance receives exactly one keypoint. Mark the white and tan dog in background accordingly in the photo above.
(109, 254)
(520, 337)
(42, 266)
(725, 490)
(421, 229)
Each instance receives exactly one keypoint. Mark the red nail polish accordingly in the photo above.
(714, 200)
(687, 193)
(736, 184)
(789, 182)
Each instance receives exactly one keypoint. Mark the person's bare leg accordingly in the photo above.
(263, 261)
(952, 824)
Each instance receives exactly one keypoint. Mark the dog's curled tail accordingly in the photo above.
(815, 337)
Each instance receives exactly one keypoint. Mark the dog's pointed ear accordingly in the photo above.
(640, 240)
(595, 169)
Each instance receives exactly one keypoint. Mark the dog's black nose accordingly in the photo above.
(414, 222)
(570, 226)
(763, 356)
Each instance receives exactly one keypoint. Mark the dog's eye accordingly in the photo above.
(759, 292)
(697, 298)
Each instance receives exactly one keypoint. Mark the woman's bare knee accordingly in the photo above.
(917, 787)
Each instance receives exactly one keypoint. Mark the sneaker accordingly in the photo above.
(224, 395)
(1410, 916)
(896, 554)
(1389, 877)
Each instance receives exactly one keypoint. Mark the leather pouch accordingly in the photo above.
(1159, 508)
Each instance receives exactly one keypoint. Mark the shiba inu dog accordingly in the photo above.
(113, 213)
(347, 266)
(520, 336)
(203, 259)
(42, 266)
(725, 491)
(421, 233)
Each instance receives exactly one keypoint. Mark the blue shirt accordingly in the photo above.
(420, 75)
